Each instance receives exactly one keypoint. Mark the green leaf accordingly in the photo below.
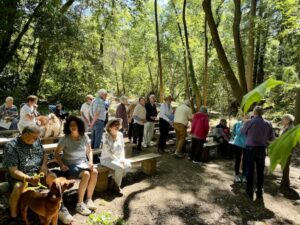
(259, 92)
(281, 148)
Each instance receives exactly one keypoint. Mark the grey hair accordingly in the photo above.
(259, 110)
(203, 109)
(8, 99)
(289, 117)
(187, 102)
(102, 92)
(123, 99)
(33, 129)
(152, 96)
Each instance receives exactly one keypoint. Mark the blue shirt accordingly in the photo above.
(98, 105)
(239, 139)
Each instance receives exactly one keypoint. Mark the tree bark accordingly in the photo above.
(237, 90)
(238, 44)
(261, 60)
(190, 60)
(205, 83)
(123, 76)
(161, 85)
(251, 43)
(297, 104)
(153, 89)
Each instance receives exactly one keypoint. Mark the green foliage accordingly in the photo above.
(281, 148)
(105, 218)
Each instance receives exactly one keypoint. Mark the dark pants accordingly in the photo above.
(97, 133)
(196, 150)
(138, 133)
(239, 154)
(164, 127)
(130, 130)
(255, 156)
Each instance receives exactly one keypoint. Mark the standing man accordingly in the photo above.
(258, 133)
(151, 114)
(9, 114)
(98, 115)
(139, 116)
(183, 115)
(28, 113)
(85, 111)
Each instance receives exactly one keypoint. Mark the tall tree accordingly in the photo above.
(192, 75)
(205, 83)
(251, 45)
(237, 90)
(161, 84)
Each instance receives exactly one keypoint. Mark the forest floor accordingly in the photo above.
(185, 193)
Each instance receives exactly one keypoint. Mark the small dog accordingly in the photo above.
(46, 205)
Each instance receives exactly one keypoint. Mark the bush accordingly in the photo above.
(105, 218)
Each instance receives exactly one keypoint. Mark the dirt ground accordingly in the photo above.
(185, 193)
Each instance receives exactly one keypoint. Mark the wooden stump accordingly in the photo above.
(149, 166)
(102, 180)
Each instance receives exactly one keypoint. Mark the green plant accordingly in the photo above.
(105, 218)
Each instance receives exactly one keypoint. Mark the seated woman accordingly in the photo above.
(76, 149)
(113, 152)
(60, 113)
(9, 115)
(222, 135)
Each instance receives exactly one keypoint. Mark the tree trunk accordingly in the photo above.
(123, 76)
(280, 55)
(153, 89)
(297, 105)
(190, 60)
(256, 58)
(238, 44)
(261, 60)
(205, 83)
(251, 43)
(237, 90)
(161, 85)
(117, 80)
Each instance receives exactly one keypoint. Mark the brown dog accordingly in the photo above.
(46, 205)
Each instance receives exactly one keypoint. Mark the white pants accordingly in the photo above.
(148, 132)
(120, 169)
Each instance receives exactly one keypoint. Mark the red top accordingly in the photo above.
(200, 126)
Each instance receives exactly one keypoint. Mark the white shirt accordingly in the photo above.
(85, 109)
(165, 111)
(113, 149)
(24, 121)
(183, 114)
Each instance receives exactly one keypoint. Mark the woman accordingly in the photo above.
(28, 113)
(122, 114)
(165, 121)
(287, 122)
(76, 148)
(85, 111)
(113, 152)
(9, 114)
(222, 135)
(59, 111)
(131, 108)
(139, 119)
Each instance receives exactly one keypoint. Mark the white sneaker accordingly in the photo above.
(237, 179)
(244, 179)
(83, 209)
(90, 204)
(144, 145)
(64, 216)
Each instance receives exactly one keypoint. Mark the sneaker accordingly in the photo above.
(178, 156)
(237, 179)
(244, 179)
(64, 216)
(144, 145)
(83, 209)
(90, 204)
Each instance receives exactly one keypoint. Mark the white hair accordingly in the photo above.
(123, 99)
(187, 102)
(9, 99)
(102, 92)
(289, 117)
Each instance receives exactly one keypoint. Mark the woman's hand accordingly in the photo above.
(64, 168)
(35, 180)
(92, 166)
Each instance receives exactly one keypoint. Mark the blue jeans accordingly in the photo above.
(97, 133)
(255, 156)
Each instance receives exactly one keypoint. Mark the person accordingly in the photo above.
(9, 115)
(28, 113)
(258, 133)
(222, 135)
(130, 110)
(107, 104)
(151, 114)
(24, 157)
(183, 115)
(121, 113)
(98, 114)
(139, 119)
(59, 112)
(164, 123)
(77, 162)
(113, 152)
(239, 146)
(287, 122)
(200, 128)
(85, 111)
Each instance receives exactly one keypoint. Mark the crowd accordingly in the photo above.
(24, 156)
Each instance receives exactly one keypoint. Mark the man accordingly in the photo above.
(183, 115)
(98, 113)
(222, 134)
(130, 111)
(60, 112)
(24, 156)
(9, 114)
(151, 114)
(121, 113)
(139, 116)
(85, 111)
(258, 133)
(28, 113)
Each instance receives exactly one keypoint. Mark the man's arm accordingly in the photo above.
(44, 166)
(245, 128)
(19, 175)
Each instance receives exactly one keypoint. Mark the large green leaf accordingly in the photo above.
(281, 148)
(259, 92)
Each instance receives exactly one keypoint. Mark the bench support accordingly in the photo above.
(102, 180)
(149, 166)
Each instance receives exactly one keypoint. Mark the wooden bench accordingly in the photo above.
(148, 162)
